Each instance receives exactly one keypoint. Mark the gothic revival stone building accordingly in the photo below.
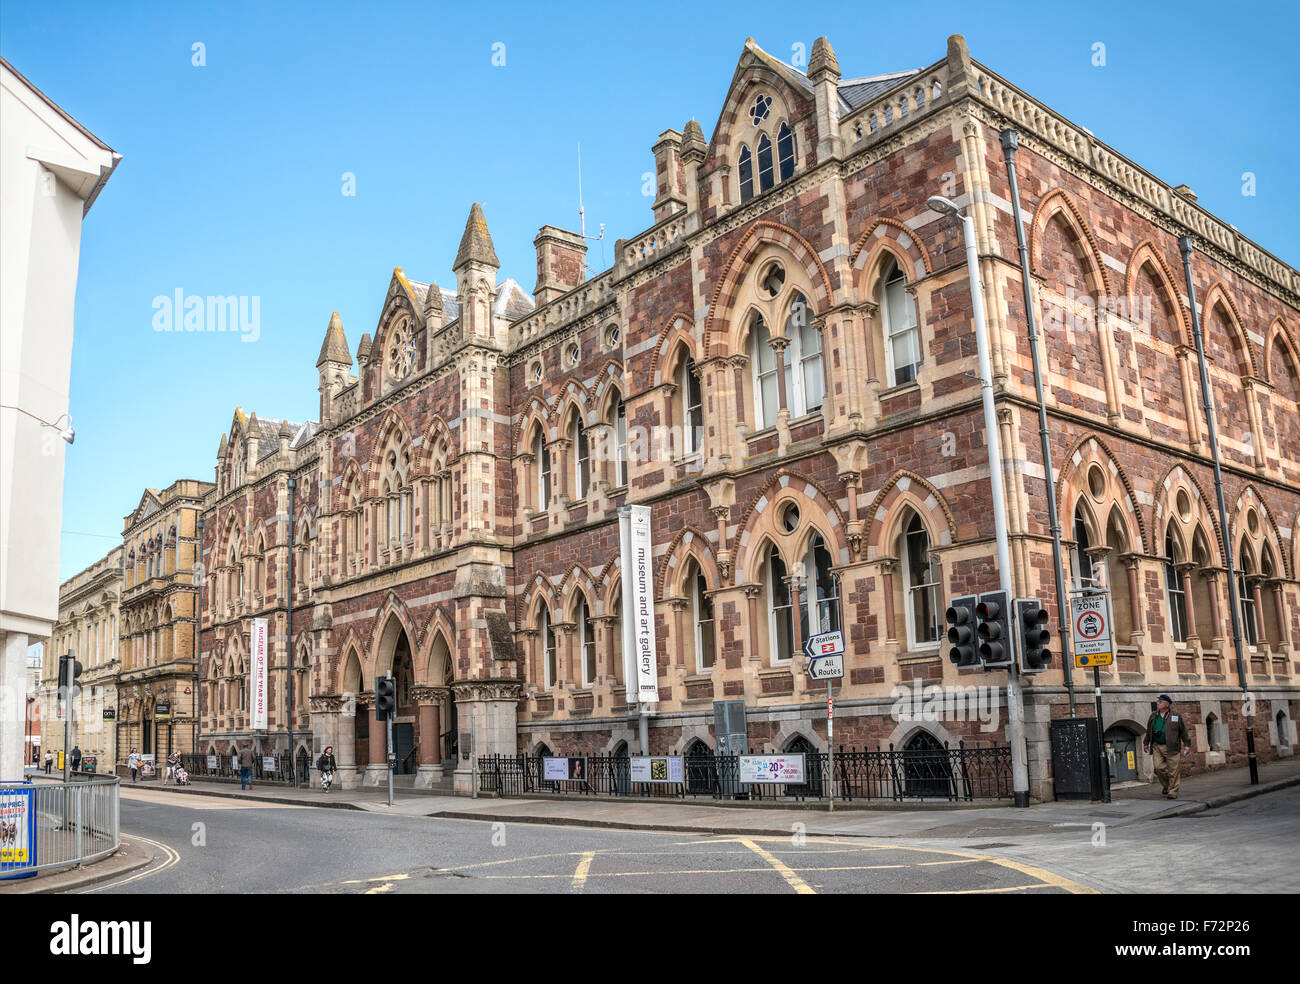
(158, 673)
(783, 368)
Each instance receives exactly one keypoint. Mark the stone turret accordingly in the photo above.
(282, 438)
(824, 74)
(333, 367)
(433, 312)
(670, 175)
(694, 149)
(476, 278)
(251, 442)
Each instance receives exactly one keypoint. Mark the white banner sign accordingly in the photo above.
(656, 768)
(639, 646)
(772, 768)
(257, 665)
(563, 769)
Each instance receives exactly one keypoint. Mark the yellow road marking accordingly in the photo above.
(386, 886)
(580, 875)
(172, 857)
(794, 881)
(982, 891)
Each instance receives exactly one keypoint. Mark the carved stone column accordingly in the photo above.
(888, 571)
(1138, 638)
(1185, 578)
(428, 701)
(1219, 640)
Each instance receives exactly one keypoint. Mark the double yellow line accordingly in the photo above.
(171, 857)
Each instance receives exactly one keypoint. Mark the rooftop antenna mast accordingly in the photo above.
(582, 220)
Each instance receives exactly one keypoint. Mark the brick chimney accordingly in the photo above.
(561, 256)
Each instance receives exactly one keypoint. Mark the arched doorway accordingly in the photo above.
(701, 768)
(359, 743)
(621, 766)
(1121, 749)
(799, 745)
(442, 725)
(404, 720)
(925, 767)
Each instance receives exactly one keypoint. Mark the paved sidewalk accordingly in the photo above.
(131, 856)
(942, 820)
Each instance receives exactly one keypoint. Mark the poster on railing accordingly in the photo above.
(17, 830)
(257, 670)
(563, 769)
(212, 762)
(772, 768)
(656, 768)
(268, 763)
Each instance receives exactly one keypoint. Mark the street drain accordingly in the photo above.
(985, 847)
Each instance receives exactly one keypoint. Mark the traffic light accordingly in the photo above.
(385, 697)
(961, 631)
(1034, 636)
(69, 676)
(992, 629)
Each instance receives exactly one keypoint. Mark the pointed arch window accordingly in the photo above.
(902, 339)
(766, 176)
(581, 457)
(542, 456)
(702, 615)
(780, 609)
(765, 382)
(806, 340)
(1174, 593)
(746, 167)
(921, 583)
(1249, 627)
(692, 407)
(785, 151)
(587, 639)
(547, 634)
(620, 438)
(1080, 562)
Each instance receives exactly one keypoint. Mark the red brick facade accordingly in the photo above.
(420, 494)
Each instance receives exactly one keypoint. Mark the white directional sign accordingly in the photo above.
(827, 667)
(824, 644)
(1090, 628)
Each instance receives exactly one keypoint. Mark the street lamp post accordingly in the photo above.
(1015, 697)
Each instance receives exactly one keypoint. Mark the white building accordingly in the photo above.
(51, 171)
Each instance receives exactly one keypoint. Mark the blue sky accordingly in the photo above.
(231, 182)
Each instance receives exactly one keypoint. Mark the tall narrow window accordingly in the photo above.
(764, 358)
(1249, 627)
(766, 176)
(581, 458)
(620, 436)
(1174, 591)
(785, 151)
(921, 584)
(1081, 563)
(547, 633)
(692, 408)
(746, 175)
(702, 609)
(902, 340)
(807, 349)
(780, 609)
(821, 608)
(542, 455)
(587, 635)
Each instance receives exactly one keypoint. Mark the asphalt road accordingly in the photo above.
(210, 845)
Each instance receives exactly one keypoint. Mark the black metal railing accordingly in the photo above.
(225, 766)
(962, 773)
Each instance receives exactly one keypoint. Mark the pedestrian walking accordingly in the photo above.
(327, 765)
(246, 768)
(49, 762)
(133, 763)
(76, 758)
(1166, 738)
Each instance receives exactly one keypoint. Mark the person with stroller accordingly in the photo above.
(326, 764)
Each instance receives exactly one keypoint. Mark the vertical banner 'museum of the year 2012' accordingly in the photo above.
(257, 667)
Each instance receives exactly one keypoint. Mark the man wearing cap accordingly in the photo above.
(1167, 740)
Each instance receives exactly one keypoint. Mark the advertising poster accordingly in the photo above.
(656, 768)
(563, 769)
(257, 665)
(772, 768)
(17, 830)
